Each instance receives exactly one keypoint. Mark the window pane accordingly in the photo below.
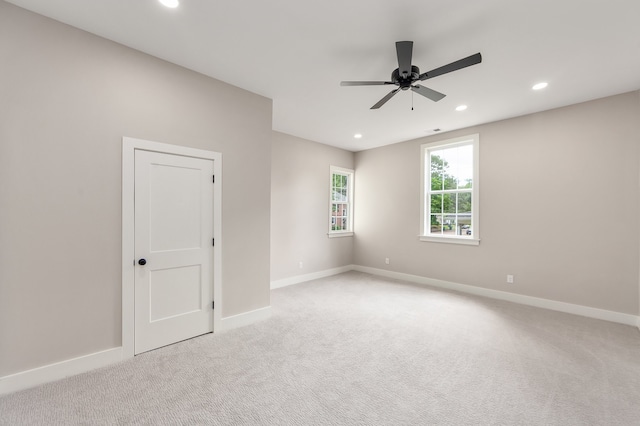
(344, 223)
(339, 194)
(449, 178)
(456, 165)
(449, 166)
(436, 224)
(449, 182)
(464, 202)
(444, 160)
(334, 210)
(337, 181)
(449, 224)
(436, 203)
(436, 171)
(464, 221)
(464, 166)
(344, 181)
(449, 203)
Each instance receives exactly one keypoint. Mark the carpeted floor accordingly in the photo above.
(355, 349)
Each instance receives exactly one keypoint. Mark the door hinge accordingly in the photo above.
(214, 178)
(213, 304)
(213, 242)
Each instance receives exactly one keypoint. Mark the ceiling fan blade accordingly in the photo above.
(404, 50)
(453, 66)
(364, 83)
(428, 93)
(385, 99)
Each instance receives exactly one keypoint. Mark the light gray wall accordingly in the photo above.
(559, 207)
(66, 100)
(638, 121)
(300, 207)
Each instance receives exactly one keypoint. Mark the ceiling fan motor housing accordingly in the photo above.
(405, 81)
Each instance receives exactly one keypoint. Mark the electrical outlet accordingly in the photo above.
(300, 264)
(510, 279)
(386, 260)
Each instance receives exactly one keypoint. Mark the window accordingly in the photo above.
(449, 179)
(341, 202)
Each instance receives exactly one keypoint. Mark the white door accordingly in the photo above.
(173, 248)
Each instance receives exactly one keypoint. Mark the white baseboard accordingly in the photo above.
(59, 370)
(584, 311)
(71, 367)
(246, 318)
(308, 277)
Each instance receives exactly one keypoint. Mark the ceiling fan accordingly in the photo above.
(406, 74)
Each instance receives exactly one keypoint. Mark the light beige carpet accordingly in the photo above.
(355, 349)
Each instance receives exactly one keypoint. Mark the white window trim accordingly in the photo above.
(475, 213)
(351, 174)
(339, 234)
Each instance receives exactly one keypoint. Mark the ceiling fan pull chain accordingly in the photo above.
(411, 101)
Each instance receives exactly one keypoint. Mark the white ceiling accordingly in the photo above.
(297, 52)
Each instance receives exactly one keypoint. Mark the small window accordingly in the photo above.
(341, 202)
(449, 203)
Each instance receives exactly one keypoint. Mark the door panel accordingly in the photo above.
(173, 233)
(174, 292)
(174, 208)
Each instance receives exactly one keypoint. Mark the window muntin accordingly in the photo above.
(450, 187)
(341, 201)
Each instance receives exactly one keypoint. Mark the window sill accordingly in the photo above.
(451, 240)
(339, 234)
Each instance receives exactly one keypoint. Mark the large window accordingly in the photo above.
(341, 202)
(450, 191)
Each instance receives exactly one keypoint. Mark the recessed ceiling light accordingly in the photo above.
(461, 107)
(170, 3)
(357, 136)
(540, 86)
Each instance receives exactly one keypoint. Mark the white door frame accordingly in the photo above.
(129, 146)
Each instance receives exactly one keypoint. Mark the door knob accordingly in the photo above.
(142, 262)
